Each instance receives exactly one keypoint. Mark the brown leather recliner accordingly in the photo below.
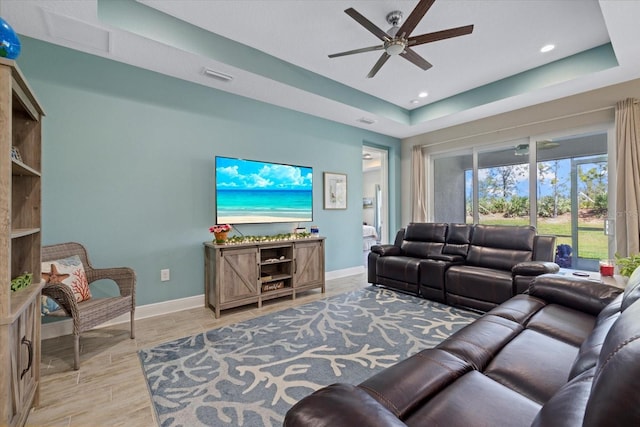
(398, 265)
(500, 264)
(433, 270)
(475, 266)
(565, 354)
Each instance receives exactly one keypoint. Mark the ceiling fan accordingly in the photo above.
(523, 149)
(397, 40)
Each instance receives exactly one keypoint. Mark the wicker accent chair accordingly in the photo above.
(95, 311)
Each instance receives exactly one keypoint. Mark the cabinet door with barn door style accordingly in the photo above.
(309, 265)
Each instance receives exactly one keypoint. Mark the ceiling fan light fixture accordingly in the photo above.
(394, 47)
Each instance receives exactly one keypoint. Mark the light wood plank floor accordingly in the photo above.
(109, 389)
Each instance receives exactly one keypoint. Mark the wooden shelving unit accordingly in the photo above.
(250, 273)
(276, 270)
(20, 243)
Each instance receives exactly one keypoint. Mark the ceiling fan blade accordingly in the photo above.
(440, 35)
(367, 24)
(416, 59)
(414, 18)
(351, 52)
(385, 56)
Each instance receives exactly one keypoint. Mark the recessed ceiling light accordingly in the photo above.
(423, 94)
(547, 48)
(415, 101)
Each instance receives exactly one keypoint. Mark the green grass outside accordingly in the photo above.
(592, 241)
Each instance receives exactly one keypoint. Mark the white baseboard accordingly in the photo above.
(65, 327)
(345, 272)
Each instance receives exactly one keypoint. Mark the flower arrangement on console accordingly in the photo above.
(220, 232)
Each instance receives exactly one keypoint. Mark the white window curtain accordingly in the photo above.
(419, 205)
(628, 177)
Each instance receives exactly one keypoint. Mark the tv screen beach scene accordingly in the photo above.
(250, 192)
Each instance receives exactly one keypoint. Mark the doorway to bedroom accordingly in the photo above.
(374, 198)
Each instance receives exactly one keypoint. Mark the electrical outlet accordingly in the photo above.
(165, 275)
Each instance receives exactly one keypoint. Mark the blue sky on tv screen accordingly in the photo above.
(239, 174)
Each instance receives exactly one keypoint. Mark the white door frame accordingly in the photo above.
(384, 189)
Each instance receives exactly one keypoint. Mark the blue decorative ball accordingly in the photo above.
(9, 42)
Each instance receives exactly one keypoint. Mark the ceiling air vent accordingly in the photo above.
(217, 75)
(366, 120)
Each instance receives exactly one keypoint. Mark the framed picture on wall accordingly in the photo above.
(335, 190)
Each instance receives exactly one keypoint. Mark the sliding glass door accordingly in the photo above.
(559, 185)
(590, 177)
(572, 197)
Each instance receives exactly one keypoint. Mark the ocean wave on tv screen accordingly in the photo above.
(263, 200)
(259, 206)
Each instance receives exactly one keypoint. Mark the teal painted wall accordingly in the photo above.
(128, 165)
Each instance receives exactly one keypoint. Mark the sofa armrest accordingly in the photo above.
(386, 250)
(454, 259)
(340, 405)
(534, 268)
(581, 294)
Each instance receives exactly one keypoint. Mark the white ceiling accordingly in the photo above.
(505, 41)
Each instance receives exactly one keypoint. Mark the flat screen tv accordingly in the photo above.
(254, 192)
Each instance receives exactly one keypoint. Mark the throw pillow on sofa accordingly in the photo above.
(69, 272)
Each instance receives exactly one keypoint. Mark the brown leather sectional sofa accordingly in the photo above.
(475, 266)
(565, 354)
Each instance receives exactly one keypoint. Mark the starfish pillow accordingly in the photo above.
(69, 272)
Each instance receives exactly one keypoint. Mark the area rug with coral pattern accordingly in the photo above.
(251, 373)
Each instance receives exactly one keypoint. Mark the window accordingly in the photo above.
(503, 186)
